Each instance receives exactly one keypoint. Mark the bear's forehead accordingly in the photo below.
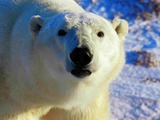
(81, 18)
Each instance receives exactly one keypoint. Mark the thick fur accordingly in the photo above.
(35, 70)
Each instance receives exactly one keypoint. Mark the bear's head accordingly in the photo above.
(77, 53)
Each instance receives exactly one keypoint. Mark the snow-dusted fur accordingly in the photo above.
(35, 69)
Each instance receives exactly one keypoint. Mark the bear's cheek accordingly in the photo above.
(107, 54)
(49, 44)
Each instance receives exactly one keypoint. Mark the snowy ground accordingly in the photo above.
(135, 95)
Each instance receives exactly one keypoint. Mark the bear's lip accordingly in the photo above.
(80, 73)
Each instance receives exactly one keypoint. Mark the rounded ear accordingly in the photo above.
(36, 23)
(121, 27)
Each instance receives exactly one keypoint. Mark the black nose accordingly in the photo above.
(81, 57)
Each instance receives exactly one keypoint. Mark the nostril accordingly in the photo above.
(81, 56)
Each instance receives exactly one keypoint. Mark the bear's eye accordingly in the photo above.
(100, 34)
(62, 32)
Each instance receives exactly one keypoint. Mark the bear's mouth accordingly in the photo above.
(81, 73)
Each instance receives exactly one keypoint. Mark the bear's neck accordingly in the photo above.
(97, 109)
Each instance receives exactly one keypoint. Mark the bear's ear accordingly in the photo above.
(121, 27)
(36, 24)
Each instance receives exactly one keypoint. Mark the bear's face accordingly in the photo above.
(78, 48)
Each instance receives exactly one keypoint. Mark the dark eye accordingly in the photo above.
(100, 34)
(62, 32)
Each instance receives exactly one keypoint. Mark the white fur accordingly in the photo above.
(36, 64)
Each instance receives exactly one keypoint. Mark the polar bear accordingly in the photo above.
(57, 60)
